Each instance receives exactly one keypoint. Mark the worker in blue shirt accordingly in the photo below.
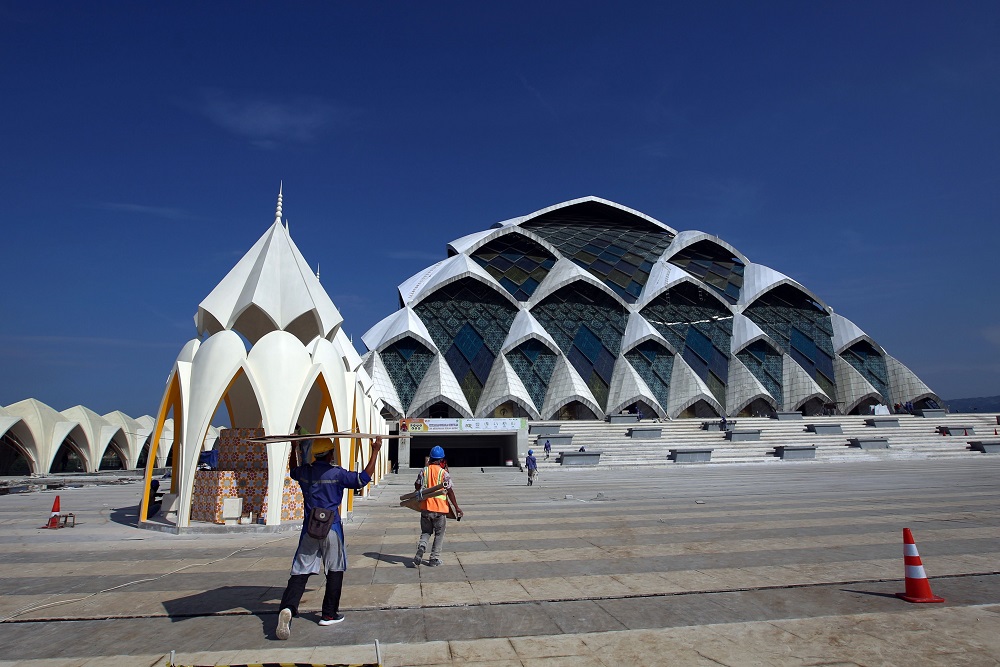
(323, 485)
(532, 465)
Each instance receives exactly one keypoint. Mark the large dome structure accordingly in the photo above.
(587, 308)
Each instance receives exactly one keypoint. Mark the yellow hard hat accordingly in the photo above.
(321, 447)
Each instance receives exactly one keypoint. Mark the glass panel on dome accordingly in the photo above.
(516, 262)
(469, 322)
(871, 364)
(407, 362)
(766, 365)
(700, 328)
(799, 324)
(597, 237)
(715, 265)
(588, 326)
(533, 363)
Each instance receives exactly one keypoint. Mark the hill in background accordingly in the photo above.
(981, 404)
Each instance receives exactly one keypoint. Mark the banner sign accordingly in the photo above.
(462, 425)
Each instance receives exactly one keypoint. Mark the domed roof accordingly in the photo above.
(271, 288)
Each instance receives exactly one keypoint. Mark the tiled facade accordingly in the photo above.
(242, 473)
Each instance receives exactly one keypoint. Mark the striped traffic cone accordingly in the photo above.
(918, 589)
(54, 516)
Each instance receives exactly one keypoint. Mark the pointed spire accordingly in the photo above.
(277, 213)
(317, 270)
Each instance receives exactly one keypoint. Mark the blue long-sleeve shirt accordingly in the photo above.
(531, 462)
(323, 485)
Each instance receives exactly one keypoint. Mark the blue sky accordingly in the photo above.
(854, 146)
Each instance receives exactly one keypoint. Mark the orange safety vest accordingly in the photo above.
(434, 475)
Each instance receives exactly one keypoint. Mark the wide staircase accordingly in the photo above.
(915, 438)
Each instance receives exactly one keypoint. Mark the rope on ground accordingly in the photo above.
(25, 610)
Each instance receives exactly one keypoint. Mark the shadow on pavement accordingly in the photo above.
(219, 601)
(394, 560)
(126, 516)
(872, 593)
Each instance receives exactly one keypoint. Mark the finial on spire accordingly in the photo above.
(317, 270)
(277, 213)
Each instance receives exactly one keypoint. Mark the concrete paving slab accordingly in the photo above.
(819, 559)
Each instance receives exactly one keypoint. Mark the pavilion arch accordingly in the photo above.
(761, 405)
(118, 455)
(171, 404)
(16, 435)
(812, 405)
(576, 409)
(73, 443)
(700, 408)
(863, 404)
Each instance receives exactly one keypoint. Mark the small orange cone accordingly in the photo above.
(918, 589)
(54, 516)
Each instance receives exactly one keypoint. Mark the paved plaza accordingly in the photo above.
(782, 564)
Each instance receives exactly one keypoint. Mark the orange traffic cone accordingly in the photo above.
(918, 589)
(54, 516)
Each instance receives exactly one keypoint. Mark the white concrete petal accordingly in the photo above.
(563, 273)
(639, 330)
(759, 279)
(745, 332)
(217, 362)
(852, 387)
(454, 269)
(904, 385)
(628, 387)
(686, 389)
(847, 333)
(338, 379)
(464, 244)
(525, 327)
(409, 289)
(404, 322)
(591, 198)
(690, 237)
(383, 383)
(743, 387)
(439, 384)
(797, 386)
(352, 359)
(662, 277)
(504, 385)
(566, 386)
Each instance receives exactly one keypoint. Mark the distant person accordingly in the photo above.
(548, 449)
(323, 485)
(155, 499)
(583, 448)
(434, 510)
(723, 424)
(532, 465)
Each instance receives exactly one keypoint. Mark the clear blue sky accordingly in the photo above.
(854, 146)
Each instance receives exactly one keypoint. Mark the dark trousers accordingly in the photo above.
(297, 586)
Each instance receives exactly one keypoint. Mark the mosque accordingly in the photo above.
(588, 308)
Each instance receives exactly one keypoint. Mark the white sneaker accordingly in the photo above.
(284, 624)
(331, 620)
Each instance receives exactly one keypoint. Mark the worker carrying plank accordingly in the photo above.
(434, 505)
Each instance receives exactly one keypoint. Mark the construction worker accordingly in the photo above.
(532, 464)
(323, 487)
(434, 510)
